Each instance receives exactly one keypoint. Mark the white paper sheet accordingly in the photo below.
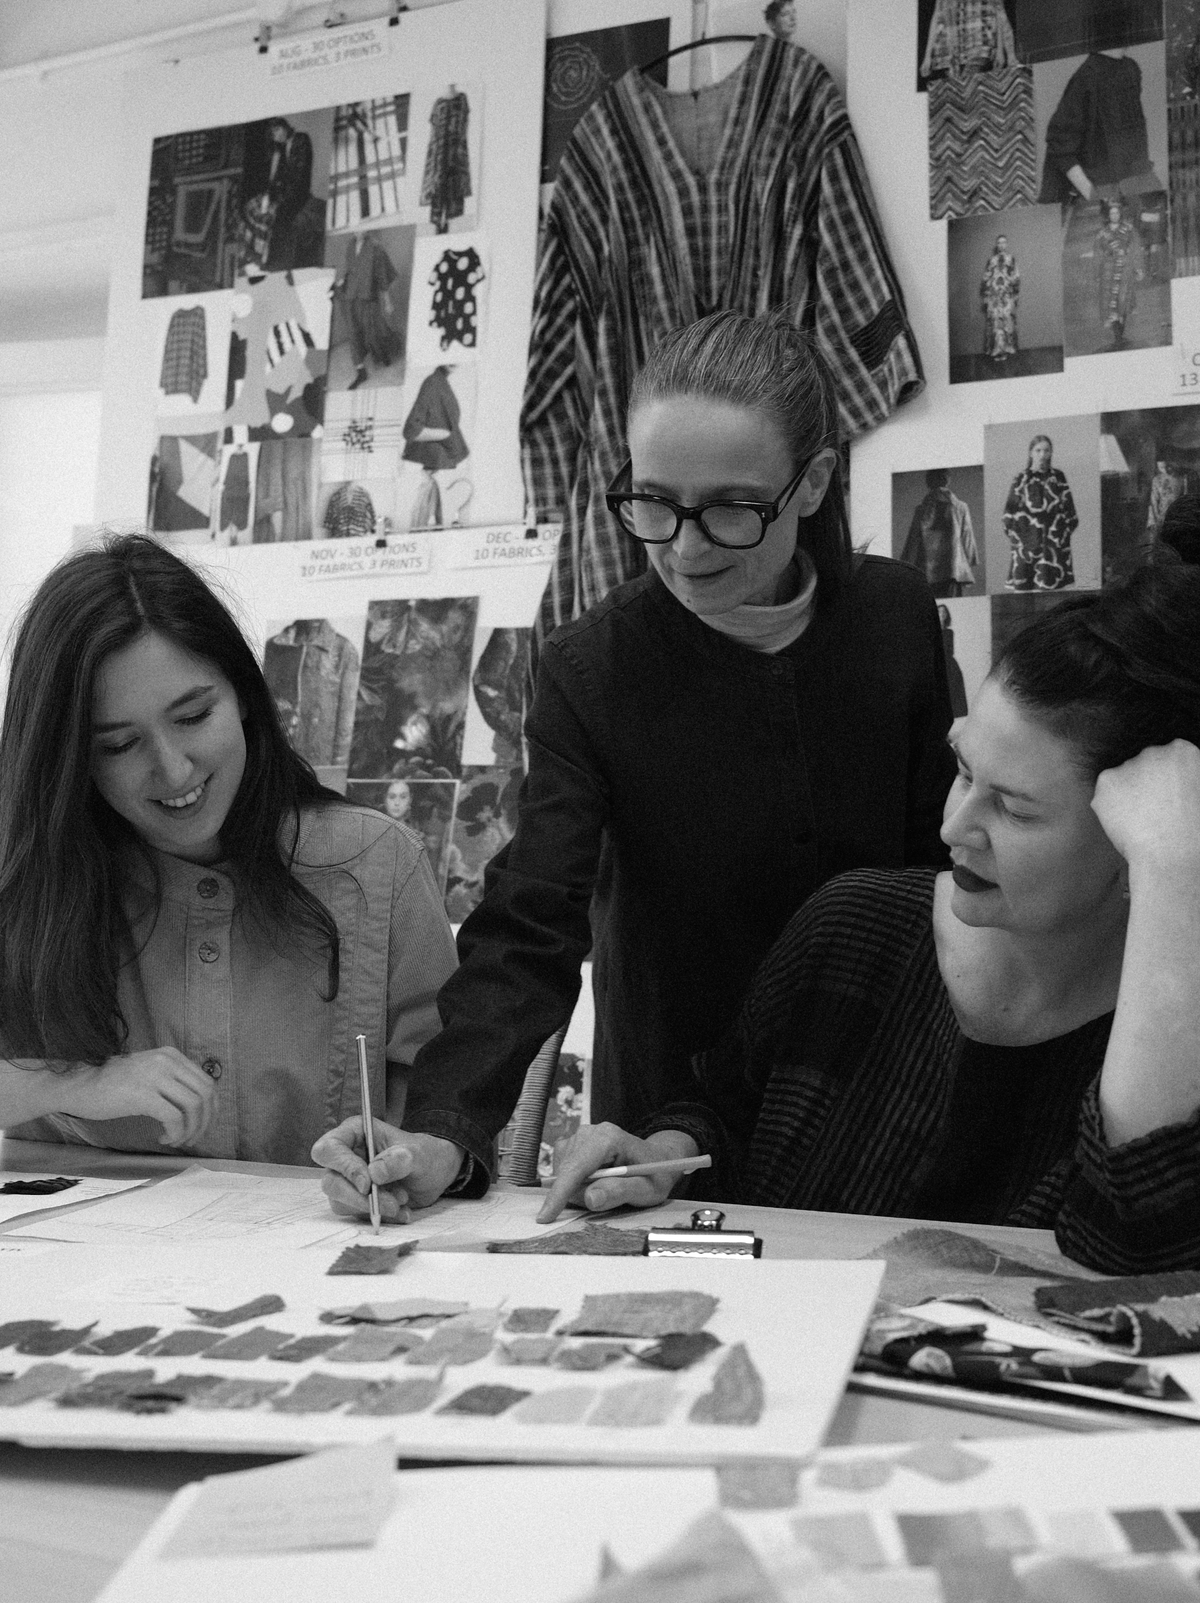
(12, 1206)
(206, 1205)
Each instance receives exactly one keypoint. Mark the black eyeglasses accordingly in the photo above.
(737, 525)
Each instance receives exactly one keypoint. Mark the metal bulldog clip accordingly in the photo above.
(703, 1237)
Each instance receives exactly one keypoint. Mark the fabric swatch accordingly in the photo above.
(1148, 1530)
(461, 1340)
(736, 1397)
(709, 1563)
(391, 1397)
(37, 1188)
(17, 1329)
(944, 1461)
(39, 1380)
(678, 1352)
(1151, 1315)
(565, 1405)
(362, 1259)
(167, 1395)
(588, 1355)
(529, 1349)
(487, 1401)
(589, 1241)
(239, 1394)
(530, 1321)
(102, 1391)
(841, 1541)
(636, 1403)
(930, 1263)
(856, 1474)
(642, 1313)
(304, 1348)
(181, 1344)
(372, 1344)
(258, 1342)
(408, 1310)
(319, 1394)
(49, 1343)
(118, 1342)
(759, 1483)
(257, 1308)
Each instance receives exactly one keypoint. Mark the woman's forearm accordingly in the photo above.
(1151, 1075)
(33, 1087)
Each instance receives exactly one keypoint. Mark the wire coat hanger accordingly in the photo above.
(716, 39)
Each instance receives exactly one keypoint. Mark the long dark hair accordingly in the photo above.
(64, 931)
(766, 364)
(1116, 670)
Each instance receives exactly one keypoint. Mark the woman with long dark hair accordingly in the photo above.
(1015, 1041)
(192, 927)
(758, 711)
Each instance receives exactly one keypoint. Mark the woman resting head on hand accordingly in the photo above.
(1018, 1040)
(176, 885)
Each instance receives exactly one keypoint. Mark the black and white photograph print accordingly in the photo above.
(1041, 492)
(356, 509)
(581, 66)
(372, 280)
(369, 162)
(953, 38)
(1182, 21)
(1049, 29)
(285, 487)
(412, 694)
(281, 326)
(1005, 294)
(966, 625)
(426, 806)
(937, 526)
(496, 711)
(285, 181)
(189, 350)
(435, 485)
(194, 223)
(234, 517)
(364, 433)
(485, 819)
(448, 302)
(312, 668)
(450, 172)
(1102, 131)
(183, 484)
(1149, 460)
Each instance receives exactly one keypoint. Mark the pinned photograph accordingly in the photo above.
(194, 237)
(1182, 18)
(234, 523)
(285, 484)
(364, 433)
(937, 526)
(485, 819)
(423, 805)
(580, 67)
(1102, 130)
(450, 174)
(496, 711)
(372, 279)
(369, 164)
(448, 301)
(412, 694)
(285, 179)
(281, 329)
(183, 483)
(1149, 477)
(312, 667)
(966, 626)
(436, 484)
(1075, 27)
(1042, 504)
(189, 351)
(356, 509)
(1005, 289)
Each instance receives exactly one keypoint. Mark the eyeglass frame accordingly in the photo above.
(768, 511)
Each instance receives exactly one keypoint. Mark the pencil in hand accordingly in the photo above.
(660, 1166)
(368, 1119)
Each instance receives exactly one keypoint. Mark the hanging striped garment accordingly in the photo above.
(286, 337)
(982, 156)
(636, 243)
(185, 354)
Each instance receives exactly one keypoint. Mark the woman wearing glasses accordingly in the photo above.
(758, 712)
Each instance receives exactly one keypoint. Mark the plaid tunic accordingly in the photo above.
(636, 244)
(350, 514)
(185, 356)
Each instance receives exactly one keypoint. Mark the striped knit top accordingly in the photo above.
(834, 1091)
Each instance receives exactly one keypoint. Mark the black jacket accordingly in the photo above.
(701, 791)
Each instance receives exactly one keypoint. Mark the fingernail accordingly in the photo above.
(594, 1198)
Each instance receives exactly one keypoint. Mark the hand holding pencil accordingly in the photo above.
(581, 1162)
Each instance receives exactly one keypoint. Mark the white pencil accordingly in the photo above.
(663, 1166)
(364, 1089)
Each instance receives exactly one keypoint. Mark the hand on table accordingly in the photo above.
(603, 1146)
(160, 1084)
(410, 1170)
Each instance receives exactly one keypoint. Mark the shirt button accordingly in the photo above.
(212, 1067)
(209, 953)
(208, 888)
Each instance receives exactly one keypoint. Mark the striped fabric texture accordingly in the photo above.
(833, 1091)
(290, 335)
(982, 156)
(637, 243)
